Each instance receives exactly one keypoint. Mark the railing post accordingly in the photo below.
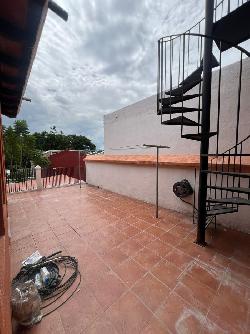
(39, 184)
(157, 182)
(205, 122)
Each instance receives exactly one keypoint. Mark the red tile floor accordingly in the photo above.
(139, 274)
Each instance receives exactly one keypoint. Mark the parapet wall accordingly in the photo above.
(135, 176)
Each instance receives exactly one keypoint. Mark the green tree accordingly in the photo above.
(81, 143)
(22, 147)
(39, 159)
(55, 140)
(11, 147)
(21, 128)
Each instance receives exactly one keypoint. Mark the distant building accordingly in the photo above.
(50, 152)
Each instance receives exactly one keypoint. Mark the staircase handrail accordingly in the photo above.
(170, 38)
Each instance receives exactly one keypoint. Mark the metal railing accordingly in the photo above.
(37, 178)
(19, 180)
(230, 168)
(179, 57)
(181, 54)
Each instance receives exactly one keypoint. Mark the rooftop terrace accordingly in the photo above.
(139, 274)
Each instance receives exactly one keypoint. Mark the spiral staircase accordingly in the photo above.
(185, 63)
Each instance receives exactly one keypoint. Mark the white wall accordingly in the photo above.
(139, 124)
(138, 182)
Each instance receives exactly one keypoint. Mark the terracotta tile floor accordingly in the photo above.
(139, 274)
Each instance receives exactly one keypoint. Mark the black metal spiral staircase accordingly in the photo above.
(228, 185)
(223, 185)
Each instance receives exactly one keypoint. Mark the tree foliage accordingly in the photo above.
(22, 147)
(54, 140)
(21, 128)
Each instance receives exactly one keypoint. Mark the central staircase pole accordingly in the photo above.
(205, 122)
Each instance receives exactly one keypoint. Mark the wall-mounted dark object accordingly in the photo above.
(182, 189)
(26, 99)
(58, 10)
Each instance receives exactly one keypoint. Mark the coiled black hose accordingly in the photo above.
(57, 284)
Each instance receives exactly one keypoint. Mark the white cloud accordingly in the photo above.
(103, 58)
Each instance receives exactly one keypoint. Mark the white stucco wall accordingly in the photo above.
(139, 182)
(138, 123)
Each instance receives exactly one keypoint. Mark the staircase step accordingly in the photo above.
(220, 210)
(234, 27)
(197, 136)
(232, 189)
(215, 62)
(232, 200)
(235, 174)
(176, 110)
(180, 120)
(192, 80)
(184, 88)
(167, 101)
(196, 74)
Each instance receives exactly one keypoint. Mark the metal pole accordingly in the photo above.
(157, 175)
(205, 122)
(157, 182)
(79, 171)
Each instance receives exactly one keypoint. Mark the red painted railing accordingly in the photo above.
(59, 176)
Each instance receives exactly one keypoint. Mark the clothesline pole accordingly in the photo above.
(157, 176)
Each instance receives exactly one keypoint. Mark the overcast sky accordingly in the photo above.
(102, 59)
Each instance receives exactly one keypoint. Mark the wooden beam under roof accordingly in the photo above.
(11, 31)
(9, 99)
(8, 91)
(10, 79)
(21, 23)
(11, 61)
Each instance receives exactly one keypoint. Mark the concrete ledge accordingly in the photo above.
(149, 160)
(182, 160)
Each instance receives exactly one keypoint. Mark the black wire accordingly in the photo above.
(193, 206)
(61, 293)
(80, 279)
(63, 287)
(55, 287)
